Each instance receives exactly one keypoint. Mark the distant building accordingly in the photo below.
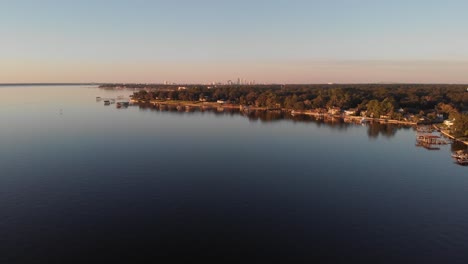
(182, 88)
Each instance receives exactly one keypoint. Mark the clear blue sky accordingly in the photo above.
(201, 41)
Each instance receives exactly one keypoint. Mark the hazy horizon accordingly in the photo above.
(199, 83)
(207, 41)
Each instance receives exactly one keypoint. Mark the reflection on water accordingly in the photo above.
(387, 130)
(81, 179)
(374, 130)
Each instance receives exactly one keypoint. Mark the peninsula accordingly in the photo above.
(442, 104)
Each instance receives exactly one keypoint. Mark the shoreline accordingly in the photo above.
(445, 133)
(349, 119)
(354, 119)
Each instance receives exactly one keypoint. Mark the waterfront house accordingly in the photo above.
(350, 112)
(424, 120)
(439, 118)
(449, 123)
(334, 111)
(409, 117)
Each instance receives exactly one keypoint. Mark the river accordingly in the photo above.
(88, 182)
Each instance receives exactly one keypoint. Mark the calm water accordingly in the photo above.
(81, 181)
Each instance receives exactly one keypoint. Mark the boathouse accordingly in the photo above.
(429, 139)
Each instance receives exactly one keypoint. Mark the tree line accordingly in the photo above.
(428, 100)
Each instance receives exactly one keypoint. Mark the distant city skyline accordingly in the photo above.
(205, 41)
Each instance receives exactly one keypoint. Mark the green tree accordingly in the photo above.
(374, 108)
(460, 125)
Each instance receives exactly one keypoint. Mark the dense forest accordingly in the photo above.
(430, 101)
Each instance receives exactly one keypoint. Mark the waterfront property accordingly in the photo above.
(430, 139)
(351, 111)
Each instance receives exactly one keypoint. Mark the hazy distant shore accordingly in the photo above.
(46, 84)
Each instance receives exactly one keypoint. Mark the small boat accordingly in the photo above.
(460, 154)
(462, 161)
(106, 102)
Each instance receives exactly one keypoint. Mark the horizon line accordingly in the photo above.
(221, 84)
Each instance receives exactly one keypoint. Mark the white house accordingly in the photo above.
(449, 123)
(351, 111)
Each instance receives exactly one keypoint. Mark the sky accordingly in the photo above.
(275, 41)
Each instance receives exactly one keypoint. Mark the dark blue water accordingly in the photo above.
(84, 182)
